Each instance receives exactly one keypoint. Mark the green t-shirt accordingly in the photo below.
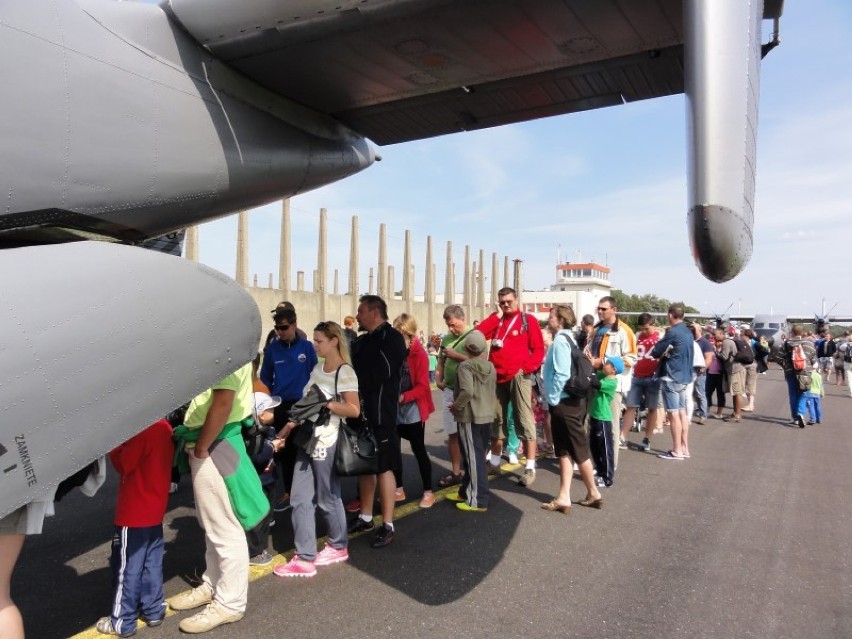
(240, 382)
(600, 408)
(455, 343)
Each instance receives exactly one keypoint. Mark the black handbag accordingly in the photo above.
(357, 449)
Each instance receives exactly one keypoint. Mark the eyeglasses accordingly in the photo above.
(604, 308)
(282, 327)
(505, 302)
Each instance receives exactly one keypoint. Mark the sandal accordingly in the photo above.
(552, 506)
(450, 480)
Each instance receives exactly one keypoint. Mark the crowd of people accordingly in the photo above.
(264, 439)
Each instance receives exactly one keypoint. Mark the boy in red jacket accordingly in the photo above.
(144, 463)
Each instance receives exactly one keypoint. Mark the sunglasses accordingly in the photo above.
(282, 327)
(604, 308)
(505, 302)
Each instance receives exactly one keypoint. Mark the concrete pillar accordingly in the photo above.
(494, 271)
(449, 278)
(191, 250)
(383, 263)
(321, 281)
(518, 283)
(269, 281)
(406, 273)
(406, 267)
(390, 286)
(336, 283)
(353, 264)
(242, 275)
(370, 282)
(300, 281)
(429, 284)
(480, 287)
(505, 272)
(468, 310)
(284, 252)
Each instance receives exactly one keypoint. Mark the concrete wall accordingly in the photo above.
(312, 308)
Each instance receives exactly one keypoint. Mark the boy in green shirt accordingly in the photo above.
(600, 419)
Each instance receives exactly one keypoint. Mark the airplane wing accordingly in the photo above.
(398, 70)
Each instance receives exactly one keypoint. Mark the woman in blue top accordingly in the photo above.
(567, 415)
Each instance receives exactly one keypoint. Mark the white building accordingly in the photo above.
(579, 285)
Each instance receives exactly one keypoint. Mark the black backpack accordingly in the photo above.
(745, 355)
(582, 372)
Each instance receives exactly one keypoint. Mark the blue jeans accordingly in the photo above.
(814, 403)
(798, 401)
(700, 393)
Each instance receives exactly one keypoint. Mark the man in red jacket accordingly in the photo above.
(517, 350)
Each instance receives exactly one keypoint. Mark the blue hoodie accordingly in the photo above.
(287, 367)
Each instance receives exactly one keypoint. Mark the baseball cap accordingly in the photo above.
(264, 402)
(617, 363)
(474, 343)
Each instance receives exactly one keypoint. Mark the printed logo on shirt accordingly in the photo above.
(302, 358)
(320, 452)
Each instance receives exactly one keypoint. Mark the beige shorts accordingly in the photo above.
(738, 383)
(517, 390)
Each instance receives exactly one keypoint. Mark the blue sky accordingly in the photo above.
(611, 185)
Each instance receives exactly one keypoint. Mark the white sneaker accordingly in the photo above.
(211, 617)
(513, 458)
(190, 599)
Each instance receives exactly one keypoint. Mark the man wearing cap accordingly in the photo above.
(287, 364)
(284, 305)
(677, 351)
(517, 350)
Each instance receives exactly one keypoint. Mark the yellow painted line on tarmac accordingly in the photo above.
(256, 572)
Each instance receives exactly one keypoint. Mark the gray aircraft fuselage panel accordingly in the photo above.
(146, 141)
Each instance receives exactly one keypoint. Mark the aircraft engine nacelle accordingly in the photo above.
(99, 340)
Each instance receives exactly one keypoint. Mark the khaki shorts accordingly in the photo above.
(517, 390)
(737, 382)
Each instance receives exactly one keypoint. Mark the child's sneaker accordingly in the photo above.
(105, 627)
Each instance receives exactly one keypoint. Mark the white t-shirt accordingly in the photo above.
(347, 381)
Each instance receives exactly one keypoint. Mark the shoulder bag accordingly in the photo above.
(357, 449)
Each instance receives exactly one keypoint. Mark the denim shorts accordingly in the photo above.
(674, 396)
(647, 388)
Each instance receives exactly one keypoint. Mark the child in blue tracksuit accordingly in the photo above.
(144, 463)
(814, 397)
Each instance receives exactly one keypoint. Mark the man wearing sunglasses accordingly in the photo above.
(517, 350)
(287, 364)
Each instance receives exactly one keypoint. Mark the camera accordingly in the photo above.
(496, 343)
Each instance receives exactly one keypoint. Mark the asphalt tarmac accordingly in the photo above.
(748, 538)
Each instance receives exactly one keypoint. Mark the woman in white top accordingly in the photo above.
(315, 484)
